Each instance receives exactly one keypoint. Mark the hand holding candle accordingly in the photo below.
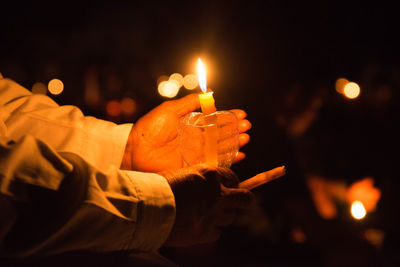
(211, 132)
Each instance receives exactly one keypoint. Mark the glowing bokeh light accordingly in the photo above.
(375, 237)
(177, 77)
(351, 90)
(39, 88)
(55, 86)
(128, 106)
(162, 78)
(358, 210)
(190, 81)
(298, 235)
(168, 89)
(113, 108)
(201, 72)
(175, 82)
(340, 84)
(1, 76)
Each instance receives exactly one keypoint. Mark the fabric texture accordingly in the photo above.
(61, 188)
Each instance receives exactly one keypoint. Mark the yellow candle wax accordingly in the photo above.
(207, 103)
(211, 140)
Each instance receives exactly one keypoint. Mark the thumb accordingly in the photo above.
(237, 198)
(185, 104)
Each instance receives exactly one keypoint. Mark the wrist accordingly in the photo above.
(127, 159)
(170, 178)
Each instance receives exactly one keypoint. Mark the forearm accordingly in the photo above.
(65, 128)
(84, 210)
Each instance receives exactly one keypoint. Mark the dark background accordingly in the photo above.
(270, 58)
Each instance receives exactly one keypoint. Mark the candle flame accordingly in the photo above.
(357, 210)
(201, 73)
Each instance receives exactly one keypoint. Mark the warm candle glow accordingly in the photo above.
(201, 72)
(168, 88)
(177, 77)
(351, 90)
(55, 86)
(358, 210)
(207, 102)
(39, 88)
(340, 84)
(190, 81)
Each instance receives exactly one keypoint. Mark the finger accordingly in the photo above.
(244, 139)
(224, 176)
(230, 127)
(227, 131)
(262, 178)
(235, 198)
(240, 114)
(229, 178)
(184, 105)
(244, 125)
(230, 143)
(239, 157)
(228, 121)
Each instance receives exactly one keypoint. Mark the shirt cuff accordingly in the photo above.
(105, 143)
(156, 210)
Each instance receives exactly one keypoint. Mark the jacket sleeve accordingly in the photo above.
(53, 202)
(101, 143)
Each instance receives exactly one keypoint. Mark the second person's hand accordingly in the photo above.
(207, 198)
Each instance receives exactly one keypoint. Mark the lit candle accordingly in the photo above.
(207, 104)
(207, 101)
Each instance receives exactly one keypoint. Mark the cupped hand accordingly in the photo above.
(153, 141)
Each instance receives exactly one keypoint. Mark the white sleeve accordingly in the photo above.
(57, 202)
(101, 143)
